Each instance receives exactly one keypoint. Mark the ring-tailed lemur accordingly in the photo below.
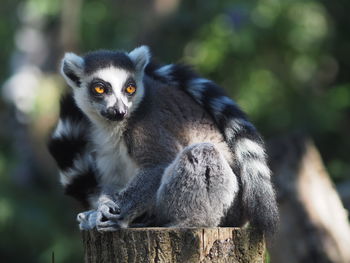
(140, 139)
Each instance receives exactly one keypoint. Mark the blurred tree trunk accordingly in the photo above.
(314, 225)
(70, 24)
(344, 192)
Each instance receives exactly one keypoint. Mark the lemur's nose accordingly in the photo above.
(113, 114)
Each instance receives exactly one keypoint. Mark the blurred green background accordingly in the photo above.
(286, 62)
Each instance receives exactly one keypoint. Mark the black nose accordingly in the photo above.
(113, 114)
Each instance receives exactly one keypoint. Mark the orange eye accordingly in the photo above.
(99, 89)
(130, 89)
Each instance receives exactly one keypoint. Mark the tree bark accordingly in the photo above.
(314, 225)
(344, 192)
(160, 245)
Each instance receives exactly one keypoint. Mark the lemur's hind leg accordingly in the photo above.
(197, 189)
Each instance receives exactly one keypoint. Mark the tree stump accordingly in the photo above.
(173, 245)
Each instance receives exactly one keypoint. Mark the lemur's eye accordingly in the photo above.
(130, 89)
(99, 89)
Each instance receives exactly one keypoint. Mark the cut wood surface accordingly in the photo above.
(174, 245)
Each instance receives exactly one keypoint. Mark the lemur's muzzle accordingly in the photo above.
(113, 114)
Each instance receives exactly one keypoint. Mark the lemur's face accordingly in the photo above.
(112, 91)
(109, 93)
(107, 85)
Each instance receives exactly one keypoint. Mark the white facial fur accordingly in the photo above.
(117, 78)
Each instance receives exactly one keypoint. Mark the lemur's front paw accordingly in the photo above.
(105, 225)
(108, 213)
(109, 210)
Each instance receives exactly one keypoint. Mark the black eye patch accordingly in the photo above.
(130, 86)
(98, 88)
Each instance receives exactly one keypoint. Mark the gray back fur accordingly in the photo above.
(165, 123)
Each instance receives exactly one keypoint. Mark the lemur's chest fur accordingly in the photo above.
(115, 165)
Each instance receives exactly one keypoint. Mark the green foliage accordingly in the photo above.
(285, 62)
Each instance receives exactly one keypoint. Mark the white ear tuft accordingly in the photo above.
(72, 69)
(140, 56)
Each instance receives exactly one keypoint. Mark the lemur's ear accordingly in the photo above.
(72, 69)
(140, 56)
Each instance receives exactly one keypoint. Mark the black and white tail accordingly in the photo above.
(70, 148)
(258, 196)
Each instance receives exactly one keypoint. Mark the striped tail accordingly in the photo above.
(69, 147)
(258, 196)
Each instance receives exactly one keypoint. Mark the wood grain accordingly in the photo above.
(173, 245)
